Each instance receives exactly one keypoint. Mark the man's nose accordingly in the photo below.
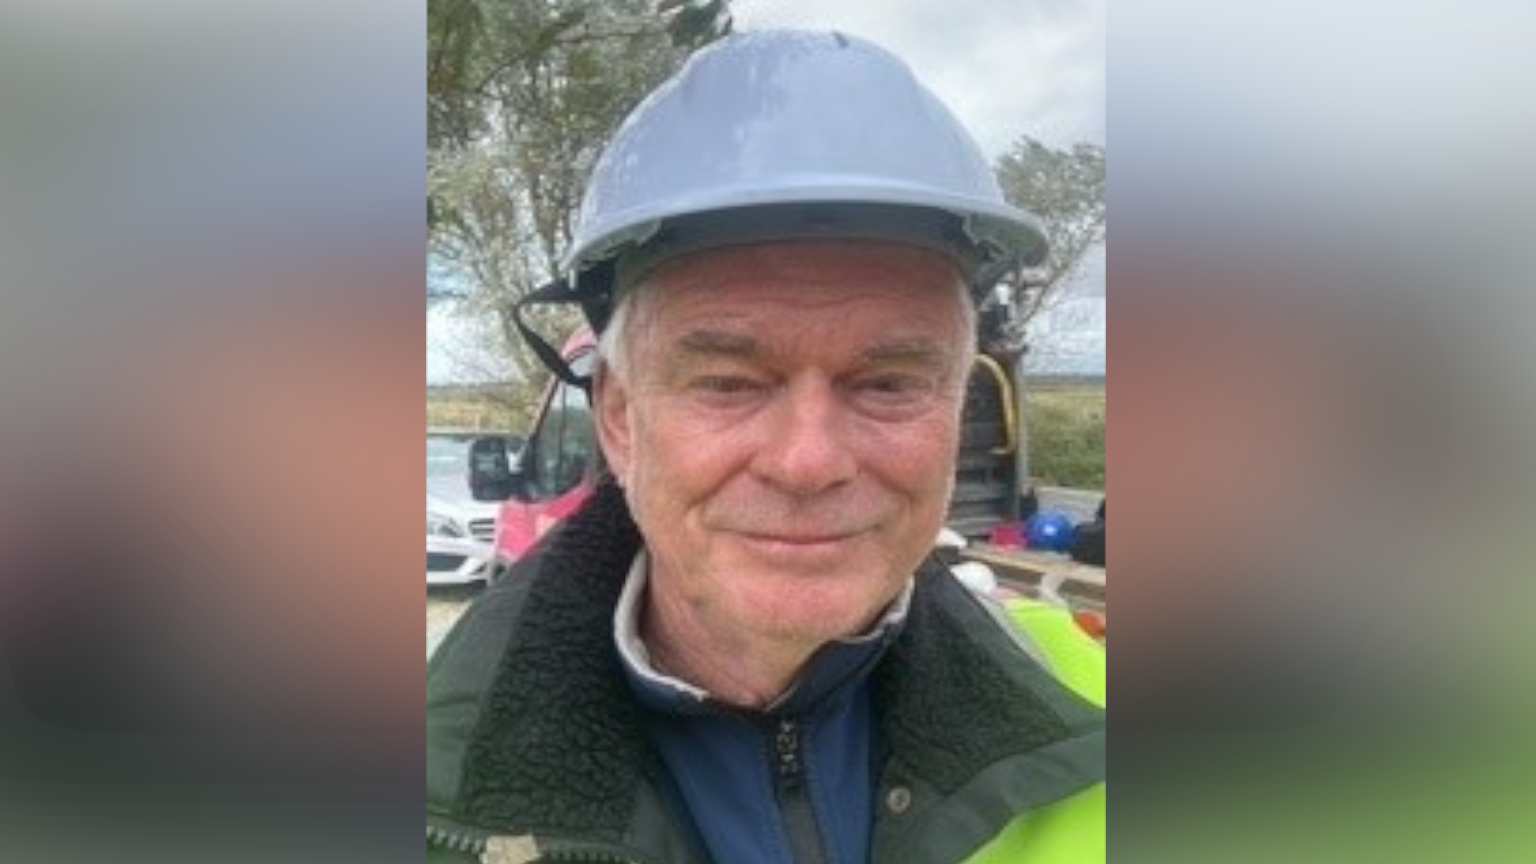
(806, 448)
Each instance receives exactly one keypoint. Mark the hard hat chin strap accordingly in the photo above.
(556, 293)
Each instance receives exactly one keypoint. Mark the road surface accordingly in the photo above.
(444, 606)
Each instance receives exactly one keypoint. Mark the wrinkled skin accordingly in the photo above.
(784, 420)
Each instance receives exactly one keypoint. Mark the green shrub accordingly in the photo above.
(1066, 428)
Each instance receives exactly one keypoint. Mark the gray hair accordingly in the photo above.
(614, 342)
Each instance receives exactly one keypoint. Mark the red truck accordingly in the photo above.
(556, 470)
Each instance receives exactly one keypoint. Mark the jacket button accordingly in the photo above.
(898, 800)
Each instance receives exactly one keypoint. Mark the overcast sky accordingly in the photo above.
(1008, 68)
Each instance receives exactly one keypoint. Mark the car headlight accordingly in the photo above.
(442, 526)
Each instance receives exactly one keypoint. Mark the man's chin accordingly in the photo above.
(810, 607)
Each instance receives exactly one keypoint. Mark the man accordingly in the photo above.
(741, 651)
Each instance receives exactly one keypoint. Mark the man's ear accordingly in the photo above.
(611, 404)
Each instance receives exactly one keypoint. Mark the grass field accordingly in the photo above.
(1066, 425)
(491, 408)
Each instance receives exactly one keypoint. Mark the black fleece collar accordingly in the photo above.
(955, 695)
(559, 747)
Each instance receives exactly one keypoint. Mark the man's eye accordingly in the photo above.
(895, 385)
(894, 396)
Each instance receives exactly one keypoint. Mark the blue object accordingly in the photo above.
(1050, 530)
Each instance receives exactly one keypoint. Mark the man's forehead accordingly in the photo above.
(880, 300)
(807, 261)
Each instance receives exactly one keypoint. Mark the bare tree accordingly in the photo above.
(522, 96)
(1066, 189)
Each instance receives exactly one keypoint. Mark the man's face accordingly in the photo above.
(786, 430)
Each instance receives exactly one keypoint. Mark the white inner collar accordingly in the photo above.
(626, 629)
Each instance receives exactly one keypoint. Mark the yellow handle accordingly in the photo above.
(1010, 412)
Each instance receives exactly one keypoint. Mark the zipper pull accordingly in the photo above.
(787, 748)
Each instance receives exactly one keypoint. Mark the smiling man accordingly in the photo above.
(741, 651)
(783, 420)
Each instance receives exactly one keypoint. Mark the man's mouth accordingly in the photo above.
(799, 539)
(791, 542)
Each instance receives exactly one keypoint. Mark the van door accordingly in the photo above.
(558, 467)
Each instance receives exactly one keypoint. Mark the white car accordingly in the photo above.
(460, 530)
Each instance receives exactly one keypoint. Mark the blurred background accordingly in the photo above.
(211, 252)
(212, 245)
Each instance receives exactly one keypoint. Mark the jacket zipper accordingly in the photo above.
(805, 840)
(454, 842)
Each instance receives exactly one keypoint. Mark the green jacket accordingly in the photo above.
(535, 751)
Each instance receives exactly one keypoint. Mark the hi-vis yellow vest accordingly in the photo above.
(1070, 831)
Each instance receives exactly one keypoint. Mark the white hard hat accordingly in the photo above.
(976, 576)
(778, 135)
(949, 538)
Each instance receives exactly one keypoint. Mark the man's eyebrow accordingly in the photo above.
(700, 346)
(717, 343)
(915, 351)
